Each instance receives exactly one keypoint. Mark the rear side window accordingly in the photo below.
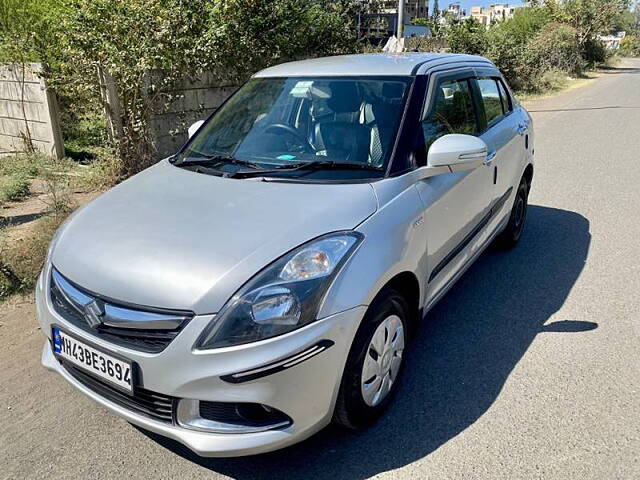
(491, 99)
(504, 95)
(452, 111)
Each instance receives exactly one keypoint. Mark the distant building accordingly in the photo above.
(455, 12)
(501, 11)
(612, 42)
(412, 8)
(480, 15)
(496, 12)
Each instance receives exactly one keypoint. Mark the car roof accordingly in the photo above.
(372, 64)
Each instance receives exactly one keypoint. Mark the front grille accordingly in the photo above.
(145, 340)
(145, 402)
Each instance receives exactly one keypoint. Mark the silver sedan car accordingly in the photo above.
(265, 280)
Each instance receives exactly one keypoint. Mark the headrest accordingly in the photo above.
(392, 90)
(344, 97)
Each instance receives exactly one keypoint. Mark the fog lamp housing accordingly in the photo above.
(226, 417)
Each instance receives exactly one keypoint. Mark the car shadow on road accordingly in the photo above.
(457, 364)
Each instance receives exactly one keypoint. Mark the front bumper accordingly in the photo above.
(305, 392)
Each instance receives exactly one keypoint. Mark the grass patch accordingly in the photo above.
(23, 250)
(27, 165)
(550, 82)
(553, 80)
(21, 259)
(16, 173)
(103, 172)
(14, 187)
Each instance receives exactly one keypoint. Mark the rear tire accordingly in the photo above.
(374, 365)
(512, 233)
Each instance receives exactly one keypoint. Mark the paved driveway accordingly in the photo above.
(529, 368)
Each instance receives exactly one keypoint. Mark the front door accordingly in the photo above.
(455, 204)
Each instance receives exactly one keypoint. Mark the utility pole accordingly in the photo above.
(400, 27)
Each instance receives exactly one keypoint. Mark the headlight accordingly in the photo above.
(284, 296)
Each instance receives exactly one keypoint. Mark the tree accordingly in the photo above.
(589, 17)
(144, 47)
(468, 37)
(28, 33)
(29, 30)
(436, 10)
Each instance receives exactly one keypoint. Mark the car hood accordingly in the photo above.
(172, 238)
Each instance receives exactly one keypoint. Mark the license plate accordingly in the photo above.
(116, 371)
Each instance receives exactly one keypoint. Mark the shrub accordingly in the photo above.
(14, 187)
(509, 55)
(16, 173)
(555, 47)
(22, 251)
(508, 45)
(630, 46)
(468, 37)
(550, 81)
(425, 44)
(594, 52)
(270, 31)
(182, 38)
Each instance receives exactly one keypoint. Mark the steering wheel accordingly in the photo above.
(288, 129)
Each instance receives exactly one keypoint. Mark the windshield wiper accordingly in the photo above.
(315, 165)
(217, 159)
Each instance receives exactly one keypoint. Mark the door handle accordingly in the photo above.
(522, 128)
(490, 157)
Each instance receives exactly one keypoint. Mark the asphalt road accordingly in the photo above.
(528, 368)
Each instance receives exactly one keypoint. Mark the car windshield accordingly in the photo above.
(278, 124)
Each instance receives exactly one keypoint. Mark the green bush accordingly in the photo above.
(16, 173)
(555, 47)
(550, 81)
(177, 38)
(468, 37)
(14, 187)
(594, 52)
(508, 42)
(246, 35)
(630, 46)
(182, 38)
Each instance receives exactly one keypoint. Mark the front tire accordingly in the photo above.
(374, 365)
(512, 233)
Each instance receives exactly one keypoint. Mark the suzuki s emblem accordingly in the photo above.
(92, 313)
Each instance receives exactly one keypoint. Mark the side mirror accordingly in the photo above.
(194, 128)
(458, 152)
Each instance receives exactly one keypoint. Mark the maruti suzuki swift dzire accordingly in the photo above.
(265, 280)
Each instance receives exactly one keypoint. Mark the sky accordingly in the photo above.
(467, 4)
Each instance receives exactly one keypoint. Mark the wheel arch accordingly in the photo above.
(528, 175)
(406, 284)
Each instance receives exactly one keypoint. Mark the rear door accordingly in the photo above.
(502, 132)
(455, 204)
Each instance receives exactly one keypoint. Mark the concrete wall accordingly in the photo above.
(176, 110)
(27, 105)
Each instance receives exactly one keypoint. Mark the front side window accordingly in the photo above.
(280, 122)
(491, 99)
(452, 111)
